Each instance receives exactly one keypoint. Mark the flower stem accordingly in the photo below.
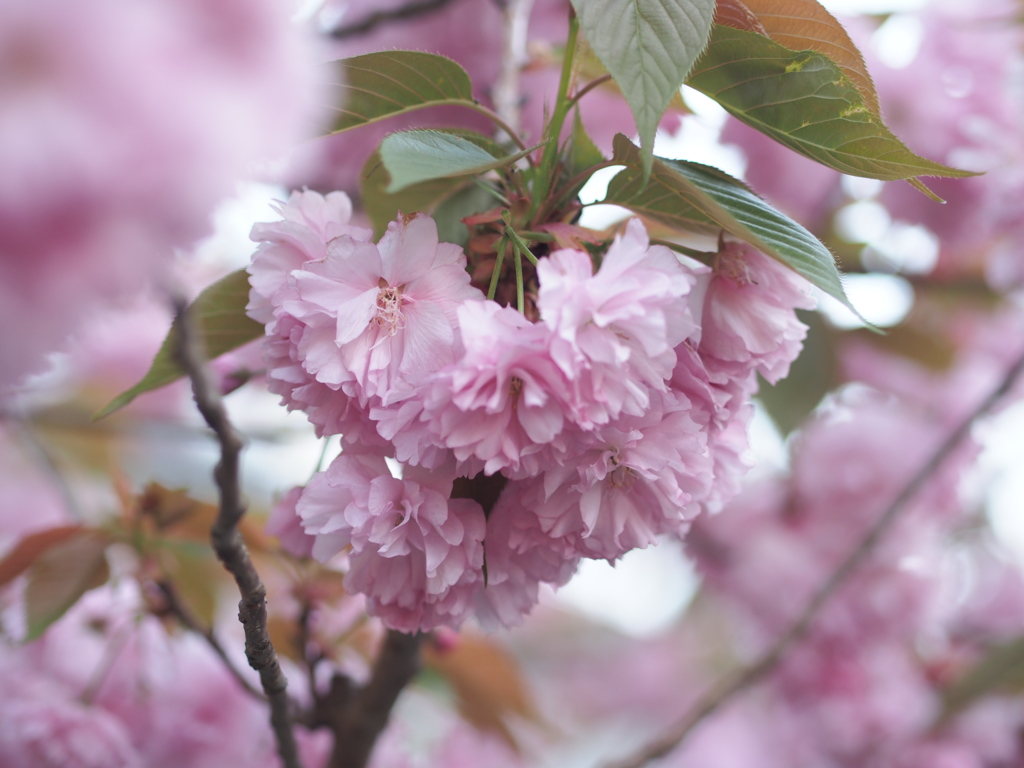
(492, 289)
(554, 128)
(520, 246)
(520, 298)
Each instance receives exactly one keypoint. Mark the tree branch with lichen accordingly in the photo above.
(227, 541)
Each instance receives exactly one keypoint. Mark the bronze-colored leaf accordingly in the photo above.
(179, 516)
(735, 14)
(486, 679)
(805, 25)
(31, 547)
(61, 575)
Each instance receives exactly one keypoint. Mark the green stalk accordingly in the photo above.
(702, 256)
(492, 289)
(520, 298)
(554, 129)
(519, 245)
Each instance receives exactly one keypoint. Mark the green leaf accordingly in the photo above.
(383, 206)
(412, 157)
(802, 25)
(812, 375)
(1000, 670)
(583, 153)
(681, 191)
(450, 212)
(376, 86)
(222, 326)
(648, 46)
(659, 198)
(804, 100)
(61, 575)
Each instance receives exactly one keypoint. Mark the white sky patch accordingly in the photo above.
(641, 595)
(908, 248)
(697, 138)
(862, 222)
(229, 245)
(898, 40)
(882, 299)
(600, 216)
(767, 445)
(999, 469)
(860, 188)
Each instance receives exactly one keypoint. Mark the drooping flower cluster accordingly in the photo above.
(611, 420)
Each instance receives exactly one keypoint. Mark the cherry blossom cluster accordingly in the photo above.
(122, 125)
(869, 675)
(611, 419)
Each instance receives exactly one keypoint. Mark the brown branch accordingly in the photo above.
(746, 677)
(228, 543)
(366, 712)
(367, 24)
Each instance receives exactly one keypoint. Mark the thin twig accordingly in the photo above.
(597, 82)
(746, 677)
(176, 608)
(111, 654)
(367, 712)
(367, 24)
(49, 464)
(228, 542)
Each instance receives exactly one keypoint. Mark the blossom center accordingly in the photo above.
(731, 264)
(389, 309)
(622, 477)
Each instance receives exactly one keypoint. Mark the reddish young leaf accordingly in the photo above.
(61, 575)
(487, 682)
(734, 13)
(177, 515)
(804, 25)
(30, 548)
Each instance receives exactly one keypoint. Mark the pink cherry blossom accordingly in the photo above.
(309, 220)
(285, 523)
(501, 405)
(121, 126)
(956, 102)
(382, 314)
(724, 410)
(614, 331)
(748, 322)
(49, 729)
(415, 554)
(633, 480)
(520, 557)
